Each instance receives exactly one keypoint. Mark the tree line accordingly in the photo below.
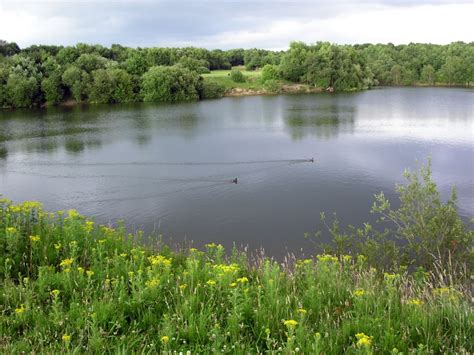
(51, 74)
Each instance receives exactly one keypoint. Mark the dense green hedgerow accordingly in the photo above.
(69, 285)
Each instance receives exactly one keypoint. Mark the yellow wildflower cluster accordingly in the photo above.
(152, 283)
(55, 293)
(391, 277)
(66, 262)
(159, 260)
(290, 323)
(211, 282)
(415, 302)
(73, 214)
(165, 339)
(302, 311)
(327, 258)
(66, 338)
(242, 280)
(20, 310)
(57, 246)
(226, 269)
(89, 226)
(363, 340)
(359, 293)
(446, 292)
(35, 238)
(11, 230)
(182, 287)
(90, 273)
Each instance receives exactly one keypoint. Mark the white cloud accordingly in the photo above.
(229, 24)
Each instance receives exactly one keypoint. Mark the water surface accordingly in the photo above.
(168, 168)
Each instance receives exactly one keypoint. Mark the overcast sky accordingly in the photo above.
(270, 24)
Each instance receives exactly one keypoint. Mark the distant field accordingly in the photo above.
(223, 77)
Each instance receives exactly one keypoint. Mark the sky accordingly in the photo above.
(224, 24)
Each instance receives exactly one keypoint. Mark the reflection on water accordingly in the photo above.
(169, 168)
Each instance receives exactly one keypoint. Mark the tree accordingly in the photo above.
(76, 81)
(428, 74)
(170, 84)
(270, 72)
(237, 76)
(111, 85)
(8, 49)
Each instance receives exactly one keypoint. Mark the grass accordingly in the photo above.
(69, 285)
(222, 77)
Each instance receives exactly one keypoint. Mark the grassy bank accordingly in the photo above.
(70, 285)
(253, 84)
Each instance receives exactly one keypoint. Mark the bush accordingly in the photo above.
(272, 86)
(422, 232)
(211, 90)
(170, 84)
(237, 76)
(270, 72)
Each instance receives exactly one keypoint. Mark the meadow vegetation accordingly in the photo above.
(70, 285)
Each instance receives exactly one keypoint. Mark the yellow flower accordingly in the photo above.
(80, 269)
(327, 258)
(415, 302)
(211, 282)
(165, 339)
(20, 310)
(72, 213)
(55, 293)
(242, 280)
(35, 238)
(57, 246)
(290, 323)
(66, 338)
(347, 258)
(159, 260)
(131, 274)
(11, 230)
(152, 283)
(363, 340)
(90, 273)
(66, 262)
(66, 270)
(211, 245)
(302, 311)
(123, 255)
(233, 284)
(182, 287)
(359, 293)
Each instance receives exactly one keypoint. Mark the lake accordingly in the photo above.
(169, 168)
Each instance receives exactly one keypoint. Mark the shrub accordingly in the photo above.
(270, 72)
(237, 76)
(211, 90)
(272, 86)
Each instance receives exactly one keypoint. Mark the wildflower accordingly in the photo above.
(290, 323)
(90, 273)
(123, 255)
(318, 335)
(361, 258)
(165, 339)
(152, 283)
(211, 282)
(390, 277)
(346, 258)
(359, 293)
(415, 302)
(35, 238)
(102, 241)
(11, 230)
(55, 293)
(363, 340)
(73, 244)
(211, 245)
(242, 280)
(267, 331)
(67, 270)
(89, 226)
(233, 284)
(182, 287)
(227, 269)
(66, 262)
(131, 274)
(327, 258)
(159, 260)
(66, 338)
(57, 246)
(20, 310)
(80, 269)
(302, 311)
(72, 213)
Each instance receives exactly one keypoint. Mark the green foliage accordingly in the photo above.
(237, 76)
(170, 84)
(272, 86)
(200, 66)
(111, 85)
(422, 232)
(270, 72)
(76, 81)
(21, 89)
(212, 90)
(71, 286)
(52, 89)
